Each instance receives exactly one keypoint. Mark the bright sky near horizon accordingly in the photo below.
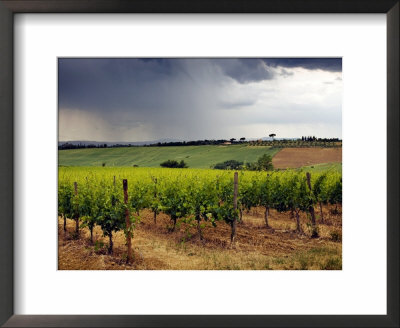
(130, 99)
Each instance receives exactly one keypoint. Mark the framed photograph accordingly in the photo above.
(181, 163)
(163, 163)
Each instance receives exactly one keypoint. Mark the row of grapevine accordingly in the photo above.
(97, 197)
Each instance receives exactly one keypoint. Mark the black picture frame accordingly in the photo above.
(10, 7)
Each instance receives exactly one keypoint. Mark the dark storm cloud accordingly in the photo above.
(146, 83)
(245, 70)
(325, 64)
(153, 84)
(112, 83)
(145, 99)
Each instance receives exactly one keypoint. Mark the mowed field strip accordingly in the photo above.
(197, 156)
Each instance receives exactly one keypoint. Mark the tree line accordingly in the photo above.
(206, 142)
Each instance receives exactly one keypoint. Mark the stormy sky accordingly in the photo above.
(191, 99)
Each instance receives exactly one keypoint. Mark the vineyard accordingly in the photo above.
(115, 201)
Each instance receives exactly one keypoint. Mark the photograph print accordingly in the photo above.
(200, 163)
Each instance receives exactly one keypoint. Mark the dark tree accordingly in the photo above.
(264, 163)
(182, 164)
(174, 164)
(229, 165)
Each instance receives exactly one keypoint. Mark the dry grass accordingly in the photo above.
(155, 248)
(298, 157)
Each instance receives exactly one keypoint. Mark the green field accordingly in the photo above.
(194, 156)
(317, 168)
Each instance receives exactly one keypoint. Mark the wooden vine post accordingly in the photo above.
(65, 224)
(155, 197)
(235, 194)
(114, 180)
(76, 216)
(311, 210)
(127, 222)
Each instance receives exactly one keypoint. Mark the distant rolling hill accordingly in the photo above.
(113, 143)
(194, 156)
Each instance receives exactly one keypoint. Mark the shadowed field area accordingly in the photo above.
(257, 248)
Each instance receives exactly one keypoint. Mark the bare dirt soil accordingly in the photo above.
(298, 157)
(156, 248)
